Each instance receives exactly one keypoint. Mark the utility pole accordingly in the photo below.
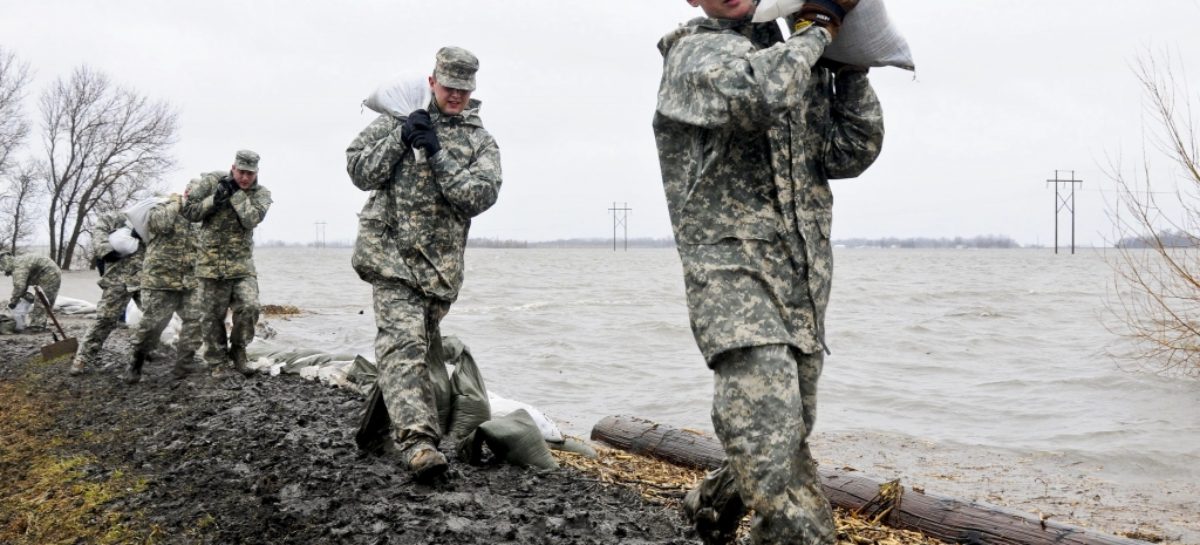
(320, 241)
(623, 221)
(1063, 200)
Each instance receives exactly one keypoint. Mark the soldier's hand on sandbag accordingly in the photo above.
(225, 189)
(427, 140)
(417, 121)
(827, 14)
(111, 257)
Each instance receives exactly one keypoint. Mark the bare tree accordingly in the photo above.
(18, 207)
(1156, 295)
(14, 126)
(103, 145)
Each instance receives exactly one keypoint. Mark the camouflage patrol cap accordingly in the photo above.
(456, 68)
(246, 160)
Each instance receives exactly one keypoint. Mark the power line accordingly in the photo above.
(623, 221)
(1061, 202)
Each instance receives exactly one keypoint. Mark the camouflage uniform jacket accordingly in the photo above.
(226, 241)
(127, 270)
(171, 251)
(414, 226)
(749, 132)
(29, 270)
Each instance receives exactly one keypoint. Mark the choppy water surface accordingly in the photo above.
(1004, 349)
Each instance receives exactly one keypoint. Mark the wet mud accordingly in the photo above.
(259, 460)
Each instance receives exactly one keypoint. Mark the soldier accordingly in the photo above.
(32, 270)
(749, 129)
(228, 206)
(168, 287)
(429, 175)
(119, 276)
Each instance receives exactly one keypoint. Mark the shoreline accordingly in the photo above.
(1055, 486)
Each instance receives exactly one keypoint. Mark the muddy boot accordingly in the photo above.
(426, 462)
(184, 366)
(77, 366)
(133, 373)
(715, 508)
(240, 363)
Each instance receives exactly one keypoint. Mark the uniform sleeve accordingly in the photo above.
(374, 152)
(472, 187)
(162, 218)
(100, 244)
(20, 278)
(251, 208)
(200, 199)
(718, 80)
(857, 133)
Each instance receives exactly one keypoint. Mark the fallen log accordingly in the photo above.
(942, 517)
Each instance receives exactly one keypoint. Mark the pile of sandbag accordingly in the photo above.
(469, 415)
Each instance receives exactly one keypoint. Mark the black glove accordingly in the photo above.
(427, 140)
(111, 257)
(225, 189)
(824, 13)
(418, 120)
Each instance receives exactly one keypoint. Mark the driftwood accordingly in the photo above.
(944, 518)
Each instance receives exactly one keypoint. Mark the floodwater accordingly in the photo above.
(999, 351)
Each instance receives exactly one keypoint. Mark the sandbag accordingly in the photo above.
(401, 95)
(70, 305)
(502, 406)
(513, 439)
(470, 406)
(138, 215)
(867, 36)
(122, 241)
(363, 373)
(20, 314)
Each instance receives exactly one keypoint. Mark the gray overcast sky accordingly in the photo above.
(1004, 94)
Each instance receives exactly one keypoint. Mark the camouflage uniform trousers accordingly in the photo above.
(113, 303)
(216, 296)
(158, 306)
(408, 350)
(764, 407)
(50, 281)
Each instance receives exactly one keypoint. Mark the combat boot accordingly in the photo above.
(426, 462)
(78, 366)
(185, 365)
(240, 362)
(133, 373)
(715, 508)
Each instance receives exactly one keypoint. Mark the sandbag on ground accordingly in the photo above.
(513, 439)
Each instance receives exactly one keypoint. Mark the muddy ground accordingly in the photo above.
(272, 460)
(260, 460)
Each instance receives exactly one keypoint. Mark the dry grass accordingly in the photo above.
(665, 484)
(47, 497)
(280, 310)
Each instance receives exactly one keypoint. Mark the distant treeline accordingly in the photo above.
(985, 241)
(572, 243)
(1167, 239)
